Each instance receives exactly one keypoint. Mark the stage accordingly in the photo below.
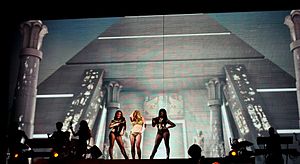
(150, 161)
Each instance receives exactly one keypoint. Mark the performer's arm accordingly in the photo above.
(144, 123)
(71, 127)
(154, 121)
(172, 125)
(124, 124)
(131, 116)
(113, 124)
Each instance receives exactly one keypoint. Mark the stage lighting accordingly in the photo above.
(55, 154)
(216, 163)
(233, 153)
(16, 155)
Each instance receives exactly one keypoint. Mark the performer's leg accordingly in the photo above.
(112, 139)
(166, 136)
(121, 145)
(138, 145)
(132, 142)
(157, 142)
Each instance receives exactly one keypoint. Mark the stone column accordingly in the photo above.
(113, 89)
(293, 22)
(33, 32)
(214, 104)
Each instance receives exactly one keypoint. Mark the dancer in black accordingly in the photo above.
(118, 127)
(162, 131)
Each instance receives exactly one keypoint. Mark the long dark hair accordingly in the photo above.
(165, 116)
(84, 129)
(121, 118)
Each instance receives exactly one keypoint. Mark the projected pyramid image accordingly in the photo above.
(209, 80)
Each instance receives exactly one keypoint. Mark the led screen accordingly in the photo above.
(219, 76)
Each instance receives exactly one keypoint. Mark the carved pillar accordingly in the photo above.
(214, 104)
(293, 22)
(113, 89)
(33, 32)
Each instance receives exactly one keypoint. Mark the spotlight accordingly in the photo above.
(55, 154)
(233, 153)
(16, 155)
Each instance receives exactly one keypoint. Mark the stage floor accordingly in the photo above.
(149, 161)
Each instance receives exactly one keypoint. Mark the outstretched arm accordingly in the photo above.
(73, 132)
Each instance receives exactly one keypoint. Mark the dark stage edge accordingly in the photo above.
(149, 161)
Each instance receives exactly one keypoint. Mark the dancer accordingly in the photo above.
(118, 127)
(162, 131)
(137, 121)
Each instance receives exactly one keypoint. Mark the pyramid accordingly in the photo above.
(166, 54)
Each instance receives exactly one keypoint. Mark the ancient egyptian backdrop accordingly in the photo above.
(207, 70)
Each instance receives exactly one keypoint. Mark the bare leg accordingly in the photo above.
(132, 141)
(138, 145)
(112, 139)
(121, 145)
(157, 142)
(166, 136)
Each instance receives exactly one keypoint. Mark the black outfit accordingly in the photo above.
(162, 133)
(161, 125)
(115, 134)
(118, 129)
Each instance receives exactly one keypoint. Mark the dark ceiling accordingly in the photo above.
(78, 9)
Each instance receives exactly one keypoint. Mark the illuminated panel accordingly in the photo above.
(277, 90)
(87, 102)
(288, 131)
(165, 36)
(55, 96)
(40, 136)
(245, 103)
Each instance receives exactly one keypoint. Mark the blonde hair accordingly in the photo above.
(137, 118)
(137, 115)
